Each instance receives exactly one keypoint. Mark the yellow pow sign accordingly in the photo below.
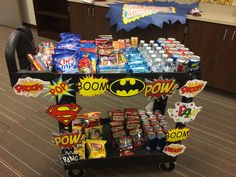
(90, 86)
(174, 135)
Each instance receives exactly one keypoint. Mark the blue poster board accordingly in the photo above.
(156, 15)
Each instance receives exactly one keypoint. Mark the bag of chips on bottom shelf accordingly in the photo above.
(125, 146)
(96, 148)
(80, 150)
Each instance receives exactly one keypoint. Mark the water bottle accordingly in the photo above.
(160, 53)
(157, 66)
(169, 65)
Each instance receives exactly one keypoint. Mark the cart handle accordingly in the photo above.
(20, 41)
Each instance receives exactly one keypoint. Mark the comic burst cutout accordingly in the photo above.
(184, 112)
(177, 134)
(64, 113)
(192, 88)
(69, 158)
(160, 87)
(68, 140)
(90, 86)
(30, 87)
(174, 149)
(60, 88)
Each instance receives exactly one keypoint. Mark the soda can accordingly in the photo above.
(151, 141)
(148, 128)
(165, 128)
(176, 42)
(182, 64)
(194, 63)
(179, 46)
(161, 117)
(188, 53)
(144, 117)
(160, 140)
(157, 128)
(149, 112)
(141, 112)
(163, 123)
(171, 39)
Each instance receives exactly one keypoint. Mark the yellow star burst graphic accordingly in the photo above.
(59, 89)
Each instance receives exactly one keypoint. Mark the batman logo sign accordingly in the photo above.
(126, 87)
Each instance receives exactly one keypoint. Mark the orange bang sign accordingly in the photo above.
(160, 87)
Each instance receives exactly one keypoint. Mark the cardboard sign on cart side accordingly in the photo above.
(174, 149)
(177, 134)
(30, 87)
(90, 86)
(184, 112)
(64, 113)
(127, 87)
(160, 87)
(60, 88)
(192, 88)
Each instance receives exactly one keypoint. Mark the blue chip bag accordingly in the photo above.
(69, 37)
(61, 51)
(68, 45)
(66, 63)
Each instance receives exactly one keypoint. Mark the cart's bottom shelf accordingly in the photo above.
(141, 155)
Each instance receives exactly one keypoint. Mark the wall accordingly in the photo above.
(27, 11)
(10, 13)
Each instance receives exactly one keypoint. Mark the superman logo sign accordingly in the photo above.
(64, 113)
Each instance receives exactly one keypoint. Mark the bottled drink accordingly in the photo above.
(157, 66)
(169, 65)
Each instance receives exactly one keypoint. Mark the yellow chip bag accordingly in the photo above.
(96, 149)
(94, 133)
(80, 150)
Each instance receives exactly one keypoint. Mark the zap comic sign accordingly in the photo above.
(68, 140)
(90, 86)
(64, 113)
(160, 87)
(184, 112)
(60, 88)
(30, 87)
(192, 88)
(174, 149)
(177, 134)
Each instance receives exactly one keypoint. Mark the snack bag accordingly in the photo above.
(68, 45)
(96, 149)
(94, 133)
(66, 63)
(137, 137)
(61, 51)
(125, 146)
(80, 150)
(68, 37)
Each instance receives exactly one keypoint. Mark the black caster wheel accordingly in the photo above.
(167, 166)
(77, 173)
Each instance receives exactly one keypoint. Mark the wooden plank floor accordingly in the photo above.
(25, 134)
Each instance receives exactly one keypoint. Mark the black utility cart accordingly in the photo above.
(21, 41)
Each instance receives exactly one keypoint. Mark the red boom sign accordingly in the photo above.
(64, 113)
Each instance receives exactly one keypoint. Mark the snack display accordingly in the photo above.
(105, 55)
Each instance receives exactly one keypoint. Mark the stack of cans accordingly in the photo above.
(155, 128)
